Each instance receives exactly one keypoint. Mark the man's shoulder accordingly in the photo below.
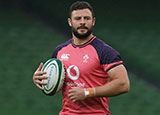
(60, 46)
(101, 45)
(105, 52)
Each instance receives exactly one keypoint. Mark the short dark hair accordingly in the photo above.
(78, 5)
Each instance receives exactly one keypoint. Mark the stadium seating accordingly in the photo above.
(143, 99)
(138, 44)
(132, 27)
(25, 42)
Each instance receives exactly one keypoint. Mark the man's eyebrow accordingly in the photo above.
(82, 16)
(77, 17)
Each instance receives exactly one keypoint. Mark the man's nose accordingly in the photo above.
(82, 21)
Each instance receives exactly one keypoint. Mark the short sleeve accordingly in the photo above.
(108, 56)
(59, 47)
(55, 52)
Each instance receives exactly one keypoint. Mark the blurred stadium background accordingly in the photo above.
(30, 30)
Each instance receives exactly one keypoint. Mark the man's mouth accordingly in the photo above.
(82, 27)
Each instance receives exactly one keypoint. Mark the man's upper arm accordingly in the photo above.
(118, 71)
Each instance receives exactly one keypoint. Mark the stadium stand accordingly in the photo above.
(143, 99)
(138, 41)
(25, 42)
(126, 25)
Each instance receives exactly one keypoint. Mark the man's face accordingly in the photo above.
(82, 23)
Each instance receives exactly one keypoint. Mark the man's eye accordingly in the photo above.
(87, 18)
(77, 18)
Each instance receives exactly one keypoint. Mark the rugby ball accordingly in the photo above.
(55, 72)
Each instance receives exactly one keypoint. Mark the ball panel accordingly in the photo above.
(53, 70)
(46, 63)
(59, 72)
(61, 76)
(56, 75)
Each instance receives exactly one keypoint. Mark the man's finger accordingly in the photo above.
(40, 82)
(37, 73)
(40, 67)
(40, 77)
(43, 77)
(39, 87)
(74, 100)
(70, 91)
(70, 95)
(74, 88)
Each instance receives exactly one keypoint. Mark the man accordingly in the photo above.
(94, 70)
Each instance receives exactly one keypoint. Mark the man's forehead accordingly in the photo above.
(81, 12)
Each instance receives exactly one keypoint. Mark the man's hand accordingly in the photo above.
(76, 94)
(38, 76)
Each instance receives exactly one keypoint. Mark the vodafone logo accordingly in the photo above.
(70, 70)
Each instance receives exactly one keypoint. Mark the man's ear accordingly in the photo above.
(94, 21)
(69, 22)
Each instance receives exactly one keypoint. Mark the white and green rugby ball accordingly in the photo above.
(56, 76)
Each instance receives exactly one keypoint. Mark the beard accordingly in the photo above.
(84, 35)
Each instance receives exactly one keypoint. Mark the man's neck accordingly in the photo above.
(78, 41)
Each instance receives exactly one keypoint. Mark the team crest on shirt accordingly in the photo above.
(85, 58)
(65, 56)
